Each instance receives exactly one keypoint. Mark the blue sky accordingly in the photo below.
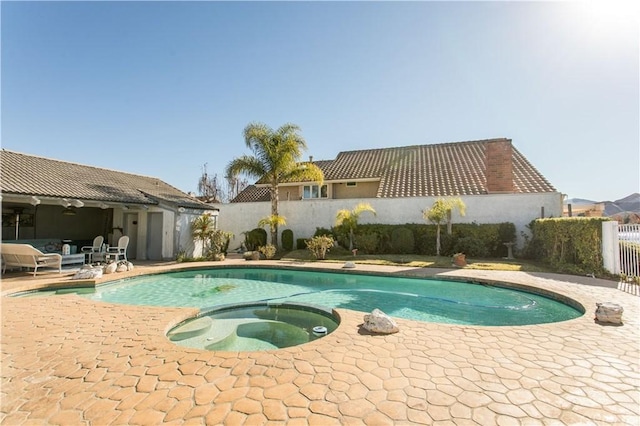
(161, 88)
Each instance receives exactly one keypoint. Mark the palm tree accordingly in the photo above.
(202, 228)
(273, 221)
(276, 159)
(441, 211)
(349, 219)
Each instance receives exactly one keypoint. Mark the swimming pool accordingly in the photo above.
(430, 300)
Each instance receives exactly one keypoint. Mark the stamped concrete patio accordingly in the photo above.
(67, 360)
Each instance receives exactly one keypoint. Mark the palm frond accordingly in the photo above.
(250, 166)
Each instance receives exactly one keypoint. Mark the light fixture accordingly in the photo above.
(64, 203)
(34, 201)
(103, 206)
(69, 211)
(77, 203)
(181, 210)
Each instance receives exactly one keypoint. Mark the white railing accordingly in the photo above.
(629, 243)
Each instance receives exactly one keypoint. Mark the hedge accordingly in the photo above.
(486, 240)
(571, 244)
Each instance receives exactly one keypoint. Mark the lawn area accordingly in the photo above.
(341, 255)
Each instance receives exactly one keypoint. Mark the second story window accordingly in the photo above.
(314, 191)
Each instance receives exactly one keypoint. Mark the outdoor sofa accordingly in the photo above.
(26, 256)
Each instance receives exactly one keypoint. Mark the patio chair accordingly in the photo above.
(94, 251)
(120, 251)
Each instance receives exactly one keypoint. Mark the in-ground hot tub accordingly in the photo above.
(254, 327)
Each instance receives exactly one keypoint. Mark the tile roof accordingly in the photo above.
(252, 193)
(446, 169)
(24, 174)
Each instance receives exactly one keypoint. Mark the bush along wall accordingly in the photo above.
(255, 238)
(475, 240)
(287, 240)
(570, 244)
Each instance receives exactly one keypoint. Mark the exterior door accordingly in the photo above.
(154, 236)
(131, 230)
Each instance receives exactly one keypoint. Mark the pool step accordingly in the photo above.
(191, 329)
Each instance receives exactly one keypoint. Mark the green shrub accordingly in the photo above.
(323, 231)
(287, 240)
(301, 243)
(402, 240)
(506, 232)
(320, 245)
(480, 240)
(373, 238)
(255, 238)
(471, 246)
(218, 243)
(367, 243)
(268, 251)
(568, 244)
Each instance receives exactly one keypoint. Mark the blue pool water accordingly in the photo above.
(419, 299)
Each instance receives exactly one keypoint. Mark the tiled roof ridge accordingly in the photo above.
(57, 178)
(86, 166)
(395, 148)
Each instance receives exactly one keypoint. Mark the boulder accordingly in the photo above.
(122, 267)
(379, 322)
(349, 265)
(609, 312)
(88, 272)
(129, 266)
(251, 255)
(110, 268)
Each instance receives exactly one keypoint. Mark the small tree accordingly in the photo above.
(202, 229)
(320, 245)
(218, 243)
(441, 211)
(273, 221)
(349, 219)
(208, 186)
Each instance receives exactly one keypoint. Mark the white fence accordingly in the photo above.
(621, 250)
(629, 244)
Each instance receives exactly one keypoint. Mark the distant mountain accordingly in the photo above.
(579, 201)
(628, 204)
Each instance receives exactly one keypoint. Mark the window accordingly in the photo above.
(313, 191)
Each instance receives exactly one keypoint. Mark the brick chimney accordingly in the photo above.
(498, 160)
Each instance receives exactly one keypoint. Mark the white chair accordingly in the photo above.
(120, 251)
(94, 252)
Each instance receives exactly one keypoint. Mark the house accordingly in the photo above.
(586, 209)
(46, 199)
(495, 181)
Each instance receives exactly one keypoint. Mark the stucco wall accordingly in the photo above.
(184, 240)
(304, 216)
(361, 190)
